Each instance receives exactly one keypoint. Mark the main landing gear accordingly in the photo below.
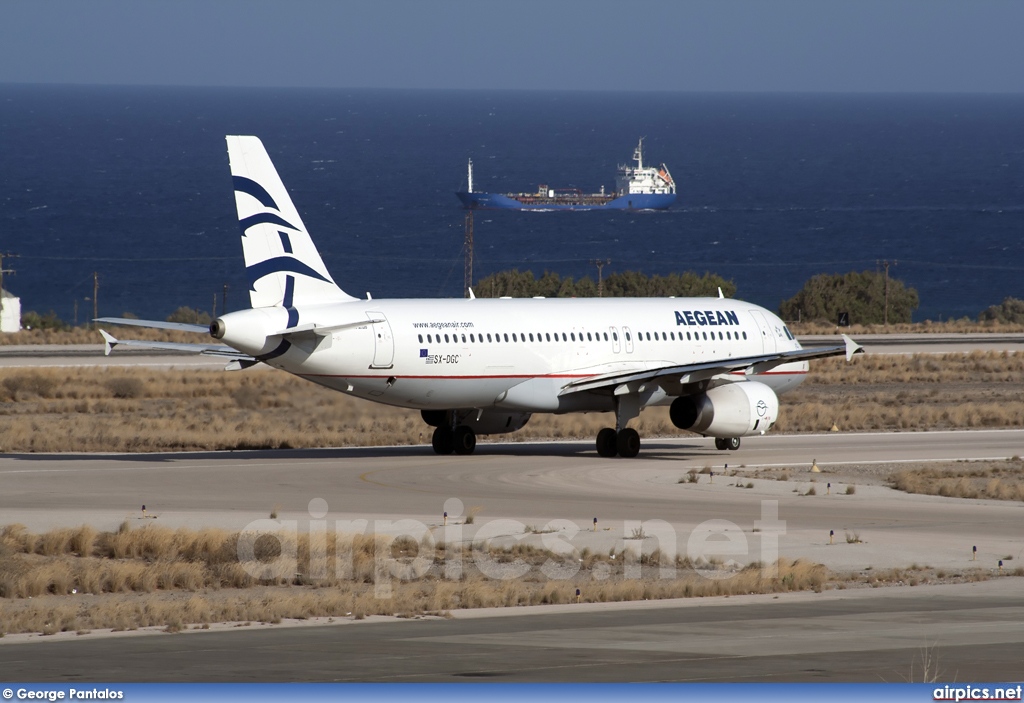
(624, 443)
(723, 443)
(461, 440)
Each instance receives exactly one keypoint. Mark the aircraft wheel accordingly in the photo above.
(443, 441)
(607, 443)
(464, 440)
(720, 444)
(732, 443)
(628, 443)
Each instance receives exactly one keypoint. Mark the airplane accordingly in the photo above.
(476, 366)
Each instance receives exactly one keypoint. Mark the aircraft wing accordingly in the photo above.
(690, 373)
(236, 360)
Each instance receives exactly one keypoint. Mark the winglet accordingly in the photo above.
(472, 296)
(851, 347)
(720, 295)
(108, 342)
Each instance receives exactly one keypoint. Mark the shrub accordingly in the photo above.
(32, 320)
(125, 387)
(862, 295)
(1010, 310)
(189, 316)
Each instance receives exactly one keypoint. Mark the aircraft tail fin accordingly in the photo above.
(282, 263)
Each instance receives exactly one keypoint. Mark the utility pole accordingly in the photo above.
(224, 299)
(95, 296)
(600, 264)
(885, 265)
(213, 315)
(467, 276)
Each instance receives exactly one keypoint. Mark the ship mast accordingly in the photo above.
(638, 154)
(470, 176)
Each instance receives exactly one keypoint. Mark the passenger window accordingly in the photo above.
(705, 335)
(446, 339)
(514, 337)
(531, 336)
(463, 339)
(488, 336)
(548, 335)
(672, 336)
(627, 336)
(506, 336)
(744, 335)
(421, 339)
(590, 337)
(606, 336)
(615, 336)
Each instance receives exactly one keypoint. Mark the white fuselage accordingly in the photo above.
(511, 354)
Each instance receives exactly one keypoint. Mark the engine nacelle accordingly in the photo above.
(490, 422)
(731, 410)
(251, 330)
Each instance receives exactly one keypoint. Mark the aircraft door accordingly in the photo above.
(629, 339)
(616, 345)
(384, 342)
(767, 336)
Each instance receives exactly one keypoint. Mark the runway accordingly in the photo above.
(532, 484)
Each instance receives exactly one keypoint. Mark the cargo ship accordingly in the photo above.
(636, 188)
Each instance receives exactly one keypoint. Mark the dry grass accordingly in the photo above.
(143, 410)
(80, 579)
(991, 480)
(75, 580)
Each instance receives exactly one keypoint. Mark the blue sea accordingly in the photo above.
(133, 183)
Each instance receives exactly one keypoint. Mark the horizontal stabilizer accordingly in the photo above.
(322, 330)
(155, 324)
(208, 349)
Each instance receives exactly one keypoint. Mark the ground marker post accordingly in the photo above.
(1000, 566)
(595, 524)
(579, 594)
(446, 518)
(974, 551)
(831, 535)
(828, 488)
(712, 475)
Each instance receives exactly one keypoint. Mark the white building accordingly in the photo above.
(10, 312)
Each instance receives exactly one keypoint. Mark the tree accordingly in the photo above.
(32, 320)
(189, 316)
(1011, 310)
(862, 295)
(523, 284)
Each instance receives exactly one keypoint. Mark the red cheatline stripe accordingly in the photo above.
(468, 378)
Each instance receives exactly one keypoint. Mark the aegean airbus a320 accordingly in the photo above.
(484, 366)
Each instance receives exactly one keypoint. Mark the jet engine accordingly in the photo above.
(731, 410)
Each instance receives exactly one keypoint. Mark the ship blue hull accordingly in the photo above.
(496, 201)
